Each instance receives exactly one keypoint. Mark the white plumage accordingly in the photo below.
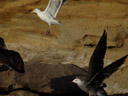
(50, 13)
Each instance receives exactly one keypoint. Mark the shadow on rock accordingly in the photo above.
(65, 94)
(63, 84)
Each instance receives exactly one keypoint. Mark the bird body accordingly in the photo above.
(81, 84)
(46, 17)
(50, 13)
(11, 58)
(92, 90)
(93, 84)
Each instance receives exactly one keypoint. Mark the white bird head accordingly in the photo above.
(78, 81)
(36, 10)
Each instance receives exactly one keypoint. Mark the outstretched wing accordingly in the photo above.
(4, 68)
(4, 56)
(16, 61)
(96, 61)
(12, 59)
(108, 70)
(2, 43)
(54, 7)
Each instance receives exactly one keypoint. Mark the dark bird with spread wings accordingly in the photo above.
(93, 84)
(11, 58)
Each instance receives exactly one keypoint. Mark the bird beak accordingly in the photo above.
(31, 12)
(70, 82)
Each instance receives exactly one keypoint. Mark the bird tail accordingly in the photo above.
(56, 22)
(59, 23)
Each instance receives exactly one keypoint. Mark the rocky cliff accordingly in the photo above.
(73, 43)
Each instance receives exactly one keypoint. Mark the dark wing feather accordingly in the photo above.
(4, 56)
(12, 59)
(108, 70)
(64, 1)
(16, 61)
(96, 61)
(2, 43)
(4, 68)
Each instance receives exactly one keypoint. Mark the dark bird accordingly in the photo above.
(11, 58)
(3, 68)
(93, 84)
(2, 44)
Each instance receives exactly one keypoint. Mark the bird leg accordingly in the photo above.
(48, 31)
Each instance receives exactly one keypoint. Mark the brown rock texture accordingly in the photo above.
(22, 93)
(47, 78)
(73, 43)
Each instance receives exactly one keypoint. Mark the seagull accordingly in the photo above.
(10, 58)
(50, 13)
(93, 84)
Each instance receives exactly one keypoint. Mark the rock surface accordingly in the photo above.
(73, 43)
(48, 78)
(22, 93)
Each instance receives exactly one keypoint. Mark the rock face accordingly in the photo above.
(22, 93)
(73, 43)
(51, 78)
(48, 78)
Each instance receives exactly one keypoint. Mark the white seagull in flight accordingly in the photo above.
(50, 13)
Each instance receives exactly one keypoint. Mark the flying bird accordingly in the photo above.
(10, 58)
(93, 84)
(50, 13)
(2, 43)
(3, 68)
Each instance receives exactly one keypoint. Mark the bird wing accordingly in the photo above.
(96, 62)
(12, 59)
(16, 61)
(107, 71)
(54, 6)
(4, 68)
(2, 43)
(3, 57)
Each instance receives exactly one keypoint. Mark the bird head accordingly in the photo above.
(36, 10)
(77, 81)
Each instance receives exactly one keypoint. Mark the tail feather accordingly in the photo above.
(60, 23)
(56, 22)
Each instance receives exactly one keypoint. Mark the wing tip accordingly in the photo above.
(105, 33)
(104, 37)
(124, 58)
(64, 1)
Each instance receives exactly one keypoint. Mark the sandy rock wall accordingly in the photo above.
(83, 23)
